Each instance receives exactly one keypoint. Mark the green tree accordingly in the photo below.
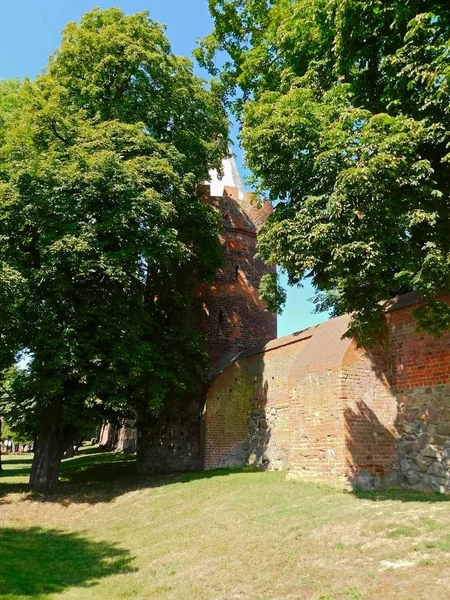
(102, 235)
(9, 102)
(9, 434)
(344, 106)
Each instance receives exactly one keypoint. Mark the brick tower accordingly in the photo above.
(230, 312)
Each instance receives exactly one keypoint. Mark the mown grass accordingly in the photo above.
(220, 535)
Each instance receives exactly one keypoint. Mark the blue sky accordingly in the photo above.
(30, 31)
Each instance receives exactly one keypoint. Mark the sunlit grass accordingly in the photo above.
(221, 535)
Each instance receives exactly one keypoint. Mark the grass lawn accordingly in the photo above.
(222, 535)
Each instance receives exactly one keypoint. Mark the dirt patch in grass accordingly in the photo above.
(221, 535)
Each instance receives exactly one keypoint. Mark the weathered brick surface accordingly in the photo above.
(370, 413)
(418, 359)
(247, 408)
(292, 382)
(170, 442)
(315, 403)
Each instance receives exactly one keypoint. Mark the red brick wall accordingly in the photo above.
(317, 447)
(316, 403)
(247, 409)
(370, 413)
(225, 420)
(421, 383)
(281, 407)
(316, 426)
(418, 359)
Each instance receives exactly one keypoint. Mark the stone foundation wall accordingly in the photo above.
(266, 429)
(424, 442)
(421, 383)
(318, 405)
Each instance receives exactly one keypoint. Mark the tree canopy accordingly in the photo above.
(344, 107)
(102, 235)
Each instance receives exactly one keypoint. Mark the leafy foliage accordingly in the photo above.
(102, 236)
(9, 102)
(274, 294)
(10, 434)
(345, 120)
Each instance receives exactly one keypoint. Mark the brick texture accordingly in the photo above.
(230, 312)
(293, 382)
(421, 383)
(316, 404)
(370, 412)
(418, 359)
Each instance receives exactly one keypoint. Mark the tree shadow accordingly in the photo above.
(15, 461)
(21, 471)
(95, 449)
(374, 464)
(371, 446)
(97, 486)
(35, 562)
(400, 496)
(102, 477)
(377, 467)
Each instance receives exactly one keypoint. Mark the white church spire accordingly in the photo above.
(231, 178)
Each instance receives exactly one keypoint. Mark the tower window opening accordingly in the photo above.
(220, 319)
(236, 272)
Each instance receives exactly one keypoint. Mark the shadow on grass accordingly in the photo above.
(401, 496)
(35, 562)
(103, 476)
(15, 461)
(20, 472)
(99, 477)
(90, 450)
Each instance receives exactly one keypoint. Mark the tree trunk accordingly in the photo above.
(69, 451)
(77, 443)
(51, 443)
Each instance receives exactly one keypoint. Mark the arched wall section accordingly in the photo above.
(281, 405)
(317, 448)
(247, 407)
